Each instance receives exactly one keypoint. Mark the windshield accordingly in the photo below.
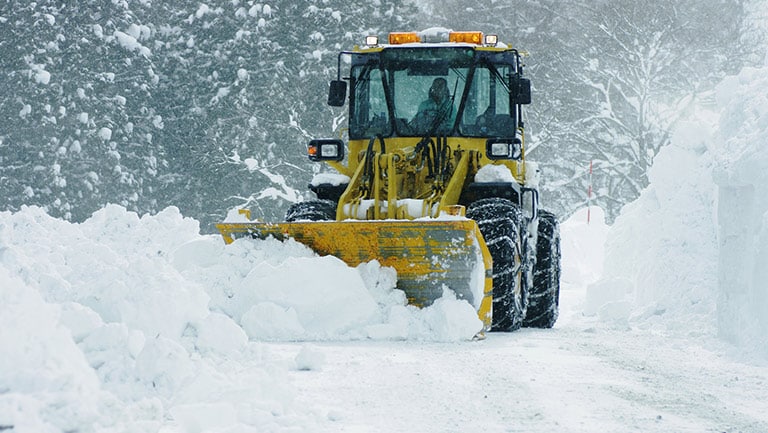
(431, 91)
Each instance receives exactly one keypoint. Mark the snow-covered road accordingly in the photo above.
(574, 378)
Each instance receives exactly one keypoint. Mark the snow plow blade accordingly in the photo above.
(428, 255)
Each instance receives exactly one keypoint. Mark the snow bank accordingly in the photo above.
(42, 370)
(128, 323)
(741, 175)
(689, 254)
(661, 251)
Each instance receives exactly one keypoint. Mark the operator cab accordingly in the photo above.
(392, 87)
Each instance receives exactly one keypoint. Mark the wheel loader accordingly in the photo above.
(433, 179)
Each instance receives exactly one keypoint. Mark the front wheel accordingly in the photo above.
(501, 223)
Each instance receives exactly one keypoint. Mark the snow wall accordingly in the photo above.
(690, 254)
(741, 175)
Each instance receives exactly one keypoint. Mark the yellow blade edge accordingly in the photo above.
(428, 255)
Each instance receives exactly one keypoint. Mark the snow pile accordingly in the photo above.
(661, 253)
(42, 370)
(334, 179)
(128, 323)
(741, 175)
(689, 254)
(490, 173)
(494, 173)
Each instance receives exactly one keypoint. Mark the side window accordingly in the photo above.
(478, 98)
(487, 109)
(378, 99)
(370, 116)
(501, 93)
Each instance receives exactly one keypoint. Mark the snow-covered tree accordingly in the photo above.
(643, 69)
(76, 113)
(202, 106)
(248, 83)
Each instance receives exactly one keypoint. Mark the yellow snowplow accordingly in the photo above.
(435, 183)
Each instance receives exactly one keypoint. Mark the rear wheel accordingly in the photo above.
(501, 223)
(543, 306)
(311, 210)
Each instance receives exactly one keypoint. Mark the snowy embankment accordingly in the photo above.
(660, 264)
(689, 255)
(741, 176)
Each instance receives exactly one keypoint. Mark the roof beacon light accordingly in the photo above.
(396, 38)
(491, 40)
(371, 41)
(466, 37)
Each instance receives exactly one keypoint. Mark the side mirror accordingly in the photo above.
(326, 149)
(504, 148)
(522, 89)
(337, 94)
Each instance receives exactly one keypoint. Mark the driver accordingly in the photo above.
(438, 107)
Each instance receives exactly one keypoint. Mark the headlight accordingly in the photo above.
(504, 148)
(326, 149)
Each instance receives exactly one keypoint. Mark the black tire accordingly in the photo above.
(502, 225)
(311, 210)
(544, 299)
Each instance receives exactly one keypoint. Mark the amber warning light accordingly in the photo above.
(466, 37)
(397, 38)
